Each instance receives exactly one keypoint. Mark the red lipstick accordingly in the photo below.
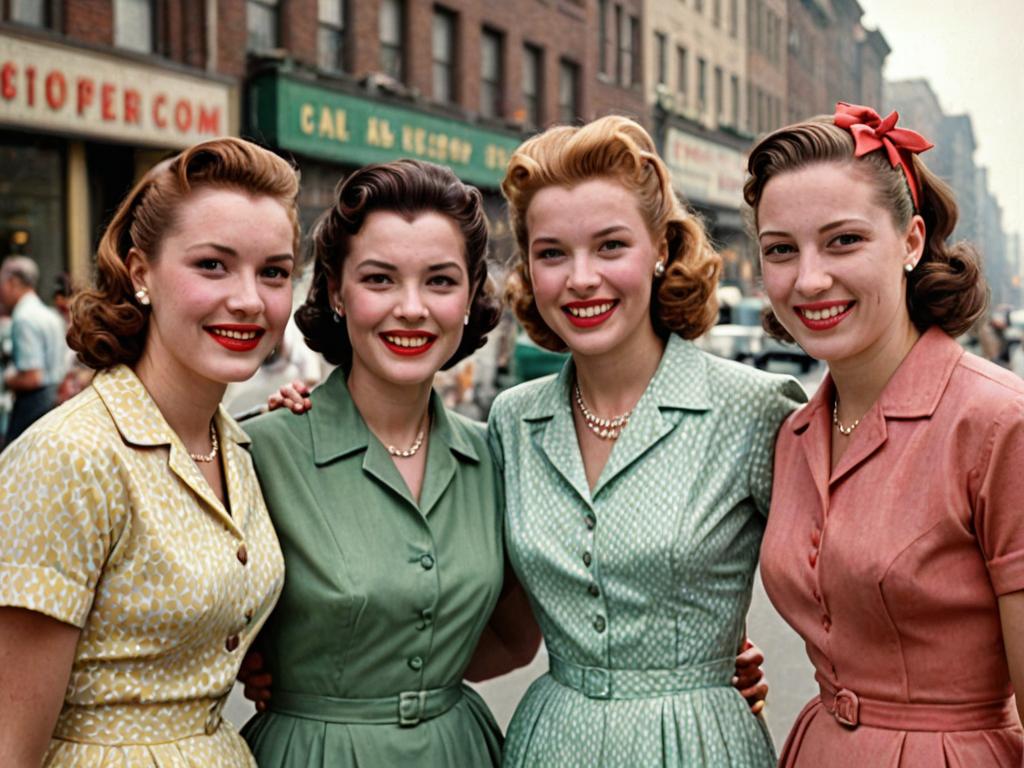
(419, 342)
(591, 320)
(238, 337)
(823, 322)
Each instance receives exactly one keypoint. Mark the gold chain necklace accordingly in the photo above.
(844, 431)
(606, 429)
(206, 458)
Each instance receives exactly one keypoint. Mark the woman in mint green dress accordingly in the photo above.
(637, 480)
(387, 506)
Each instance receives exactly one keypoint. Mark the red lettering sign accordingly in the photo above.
(107, 91)
(30, 77)
(131, 106)
(209, 120)
(85, 94)
(56, 90)
(159, 118)
(183, 115)
(7, 74)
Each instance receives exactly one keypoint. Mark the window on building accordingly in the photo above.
(391, 28)
(734, 18)
(627, 29)
(330, 42)
(261, 23)
(133, 25)
(716, 12)
(734, 93)
(661, 51)
(37, 13)
(533, 86)
(682, 73)
(698, 6)
(443, 52)
(602, 37)
(568, 91)
(719, 96)
(702, 84)
(491, 47)
(634, 43)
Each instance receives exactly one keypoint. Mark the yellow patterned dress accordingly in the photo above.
(107, 524)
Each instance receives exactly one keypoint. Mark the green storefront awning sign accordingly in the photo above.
(331, 125)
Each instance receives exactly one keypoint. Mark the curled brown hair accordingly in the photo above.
(108, 326)
(614, 147)
(946, 288)
(408, 188)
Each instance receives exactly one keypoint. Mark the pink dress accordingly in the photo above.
(891, 567)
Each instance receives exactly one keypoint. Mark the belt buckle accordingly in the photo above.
(597, 683)
(846, 708)
(410, 707)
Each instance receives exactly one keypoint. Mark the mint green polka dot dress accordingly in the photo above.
(642, 585)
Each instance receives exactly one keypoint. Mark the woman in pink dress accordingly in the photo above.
(895, 544)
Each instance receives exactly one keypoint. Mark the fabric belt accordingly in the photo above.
(155, 723)
(602, 683)
(406, 709)
(852, 710)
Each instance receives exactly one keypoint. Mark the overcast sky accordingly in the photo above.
(972, 52)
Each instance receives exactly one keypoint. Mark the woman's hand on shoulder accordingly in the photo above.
(749, 679)
(257, 681)
(294, 396)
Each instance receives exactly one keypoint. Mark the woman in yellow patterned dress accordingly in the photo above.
(137, 559)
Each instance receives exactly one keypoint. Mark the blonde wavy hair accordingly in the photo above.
(683, 300)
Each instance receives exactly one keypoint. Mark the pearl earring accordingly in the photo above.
(908, 268)
(142, 296)
(465, 320)
(659, 269)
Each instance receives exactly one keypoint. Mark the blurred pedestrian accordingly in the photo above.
(38, 349)
(895, 544)
(137, 560)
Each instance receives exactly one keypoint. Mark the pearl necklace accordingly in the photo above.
(844, 431)
(405, 453)
(606, 429)
(206, 458)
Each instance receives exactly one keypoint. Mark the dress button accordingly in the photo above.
(815, 537)
(590, 521)
(231, 643)
(813, 558)
(426, 618)
(587, 559)
(242, 554)
(600, 623)
(427, 561)
(594, 590)
(415, 663)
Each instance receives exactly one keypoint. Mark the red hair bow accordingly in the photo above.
(870, 132)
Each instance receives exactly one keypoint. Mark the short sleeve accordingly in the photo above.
(783, 397)
(998, 521)
(27, 347)
(57, 524)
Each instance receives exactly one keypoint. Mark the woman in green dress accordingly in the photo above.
(387, 506)
(636, 480)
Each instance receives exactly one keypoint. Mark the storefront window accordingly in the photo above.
(32, 205)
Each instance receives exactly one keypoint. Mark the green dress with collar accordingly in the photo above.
(641, 586)
(384, 598)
